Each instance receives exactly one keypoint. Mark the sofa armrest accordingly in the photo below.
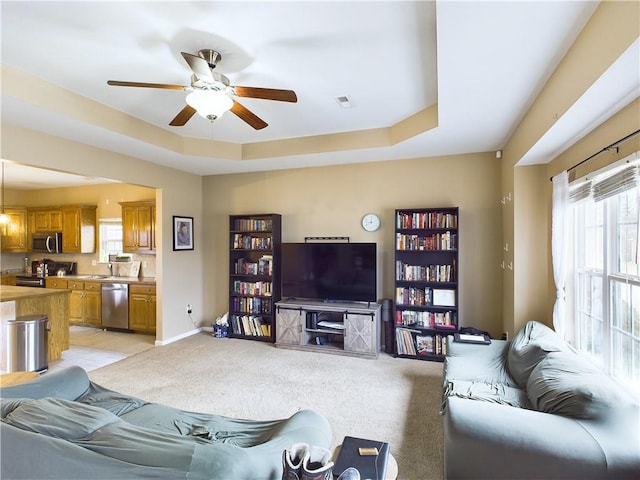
(487, 440)
(478, 363)
(69, 383)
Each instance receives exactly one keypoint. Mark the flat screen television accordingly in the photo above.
(329, 271)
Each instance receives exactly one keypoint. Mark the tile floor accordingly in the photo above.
(92, 348)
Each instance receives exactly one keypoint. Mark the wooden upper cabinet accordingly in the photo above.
(79, 229)
(14, 233)
(138, 226)
(47, 220)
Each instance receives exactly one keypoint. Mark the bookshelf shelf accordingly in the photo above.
(254, 275)
(426, 281)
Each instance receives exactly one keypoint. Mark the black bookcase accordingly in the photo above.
(426, 281)
(254, 275)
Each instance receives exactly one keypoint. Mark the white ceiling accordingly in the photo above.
(483, 63)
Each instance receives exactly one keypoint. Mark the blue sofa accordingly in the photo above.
(64, 426)
(532, 408)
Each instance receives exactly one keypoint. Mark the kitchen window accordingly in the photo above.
(607, 273)
(110, 238)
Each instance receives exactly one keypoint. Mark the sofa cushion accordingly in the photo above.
(566, 384)
(529, 347)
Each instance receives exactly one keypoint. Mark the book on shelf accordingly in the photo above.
(425, 344)
(370, 462)
(252, 224)
(248, 242)
(404, 341)
(426, 319)
(250, 325)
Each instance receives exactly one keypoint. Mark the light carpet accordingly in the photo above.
(388, 399)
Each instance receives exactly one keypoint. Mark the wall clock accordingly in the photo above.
(371, 222)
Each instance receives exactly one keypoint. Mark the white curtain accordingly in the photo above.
(559, 244)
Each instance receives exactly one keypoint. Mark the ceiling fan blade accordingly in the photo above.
(118, 83)
(199, 66)
(183, 117)
(266, 93)
(248, 116)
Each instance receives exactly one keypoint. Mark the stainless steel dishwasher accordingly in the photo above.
(115, 306)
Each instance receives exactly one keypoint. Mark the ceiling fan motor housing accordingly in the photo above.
(211, 56)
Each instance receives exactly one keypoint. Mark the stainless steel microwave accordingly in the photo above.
(47, 242)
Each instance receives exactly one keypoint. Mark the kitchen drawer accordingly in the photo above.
(75, 285)
(144, 289)
(52, 282)
(97, 286)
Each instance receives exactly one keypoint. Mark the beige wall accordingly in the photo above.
(179, 274)
(330, 201)
(528, 288)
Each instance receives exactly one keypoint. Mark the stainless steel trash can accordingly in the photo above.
(25, 346)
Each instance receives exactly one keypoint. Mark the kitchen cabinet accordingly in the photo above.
(14, 233)
(79, 229)
(47, 220)
(138, 225)
(142, 308)
(76, 222)
(7, 279)
(85, 303)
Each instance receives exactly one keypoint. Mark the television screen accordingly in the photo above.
(329, 271)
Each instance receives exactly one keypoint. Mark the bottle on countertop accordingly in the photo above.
(27, 265)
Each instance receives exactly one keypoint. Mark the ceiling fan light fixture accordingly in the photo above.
(210, 104)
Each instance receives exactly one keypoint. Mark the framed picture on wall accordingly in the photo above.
(182, 233)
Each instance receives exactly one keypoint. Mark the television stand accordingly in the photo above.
(342, 328)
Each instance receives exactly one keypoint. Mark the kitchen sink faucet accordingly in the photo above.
(110, 265)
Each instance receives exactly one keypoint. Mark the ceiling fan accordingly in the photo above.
(211, 94)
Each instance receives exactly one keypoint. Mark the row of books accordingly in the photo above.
(425, 273)
(431, 344)
(427, 319)
(426, 220)
(253, 288)
(251, 325)
(251, 305)
(425, 296)
(248, 242)
(438, 241)
(253, 225)
(264, 266)
(408, 344)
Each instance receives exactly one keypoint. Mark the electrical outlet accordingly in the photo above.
(94, 263)
(189, 309)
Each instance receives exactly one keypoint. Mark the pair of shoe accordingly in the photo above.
(304, 462)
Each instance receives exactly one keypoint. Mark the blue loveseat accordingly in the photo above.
(531, 408)
(64, 426)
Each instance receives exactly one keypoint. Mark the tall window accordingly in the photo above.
(110, 238)
(607, 272)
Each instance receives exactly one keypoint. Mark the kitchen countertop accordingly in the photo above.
(9, 292)
(106, 278)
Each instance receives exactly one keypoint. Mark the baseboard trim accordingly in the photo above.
(160, 343)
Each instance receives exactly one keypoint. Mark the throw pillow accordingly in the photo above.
(529, 347)
(566, 384)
